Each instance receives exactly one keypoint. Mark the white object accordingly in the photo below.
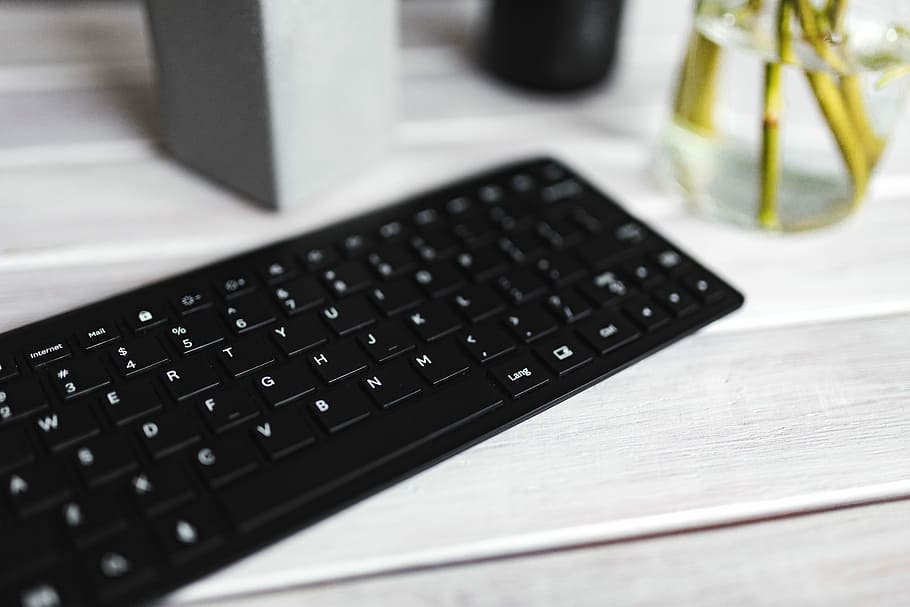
(278, 99)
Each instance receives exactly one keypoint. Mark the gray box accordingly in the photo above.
(277, 99)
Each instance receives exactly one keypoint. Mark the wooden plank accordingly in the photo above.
(125, 223)
(719, 428)
(843, 558)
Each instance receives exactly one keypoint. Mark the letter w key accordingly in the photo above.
(67, 427)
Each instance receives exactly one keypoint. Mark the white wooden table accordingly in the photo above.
(763, 461)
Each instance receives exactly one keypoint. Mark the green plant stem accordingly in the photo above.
(694, 103)
(770, 150)
(837, 116)
(773, 104)
(846, 120)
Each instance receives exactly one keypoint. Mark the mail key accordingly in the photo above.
(520, 375)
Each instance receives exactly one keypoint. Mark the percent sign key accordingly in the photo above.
(202, 334)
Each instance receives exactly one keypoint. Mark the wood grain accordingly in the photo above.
(838, 559)
(799, 403)
(715, 428)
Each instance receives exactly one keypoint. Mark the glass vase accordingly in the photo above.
(784, 107)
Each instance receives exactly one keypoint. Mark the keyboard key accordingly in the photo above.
(355, 245)
(78, 377)
(196, 333)
(276, 270)
(705, 288)
(97, 335)
(347, 278)
(475, 230)
(120, 564)
(392, 384)
(90, 519)
(56, 588)
(599, 253)
(643, 273)
(440, 364)
(607, 332)
(221, 463)
(440, 278)
(568, 306)
(191, 301)
(559, 269)
(246, 356)
(299, 335)
(347, 316)
(521, 286)
(284, 433)
(476, 302)
(19, 399)
(522, 245)
(127, 403)
(8, 368)
(341, 408)
(168, 433)
(483, 262)
(631, 233)
(605, 288)
(560, 231)
(560, 191)
(670, 261)
(234, 285)
(281, 488)
(145, 318)
(104, 460)
(138, 356)
(249, 312)
(486, 342)
(530, 322)
(15, 450)
(188, 533)
(317, 258)
(392, 230)
(392, 260)
(433, 321)
(227, 409)
(61, 429)
(395, 297)
(433, 245)
(646, 314)
(387, 341)
(35, 487)
(160, 488)
(676, 300)
(189, 378)
(285, 384)
(519, 375)
(47, 352)
(563, 354)
(337, 361)
(299, 295)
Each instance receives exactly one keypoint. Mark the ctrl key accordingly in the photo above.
(519, 375)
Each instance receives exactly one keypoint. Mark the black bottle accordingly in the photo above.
(553, 45)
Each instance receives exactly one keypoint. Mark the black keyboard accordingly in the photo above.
(151, 438)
